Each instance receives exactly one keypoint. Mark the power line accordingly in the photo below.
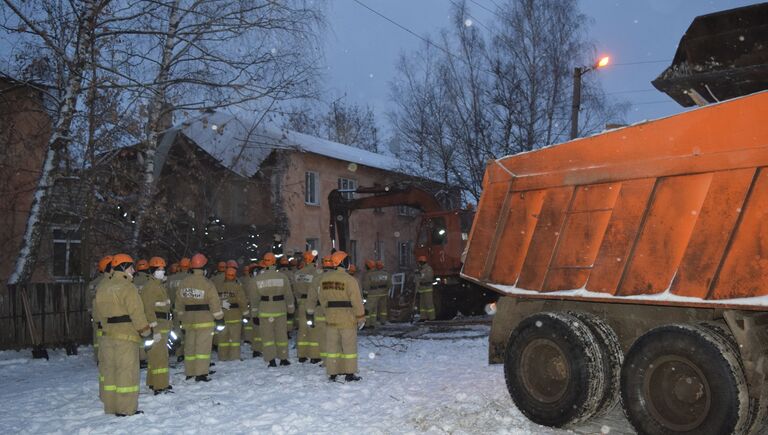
(634, 91)
(654, 102)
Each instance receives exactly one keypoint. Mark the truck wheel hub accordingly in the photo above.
(677, 393)
(545, 370)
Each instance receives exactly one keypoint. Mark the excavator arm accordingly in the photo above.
(377, 196)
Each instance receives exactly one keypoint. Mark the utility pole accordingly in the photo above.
(576, 104)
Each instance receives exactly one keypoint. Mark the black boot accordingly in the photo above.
(189, 377)
(302, 360)
(272, 364)
(202, 378)
(351, 377)
(314, 360)
(210, 372)
(256, 354)
(211, 364)
(285, 362)
(126, 415)
(332, 378)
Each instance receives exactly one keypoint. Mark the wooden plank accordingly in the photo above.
(484, 227)
(664, 236)
(713, 230)
(621, 232)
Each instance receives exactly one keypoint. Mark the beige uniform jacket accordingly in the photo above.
(232, 292)
(197, 301)
(271, 294)
(425, 276)
(339, 295)
(157, 305)
(119, 308)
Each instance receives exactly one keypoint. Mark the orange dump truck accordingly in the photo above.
(634, 266)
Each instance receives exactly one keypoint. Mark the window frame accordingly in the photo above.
(69, 275)
(315, 188)
(351, 184)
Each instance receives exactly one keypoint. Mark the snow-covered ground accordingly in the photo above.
(426, 380)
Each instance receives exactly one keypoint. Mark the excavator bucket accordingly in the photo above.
(721, 56)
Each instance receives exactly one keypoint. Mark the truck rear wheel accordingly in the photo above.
(554, 369)
(612, 356)
(684, 379)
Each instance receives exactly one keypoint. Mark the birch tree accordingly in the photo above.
(72, 51)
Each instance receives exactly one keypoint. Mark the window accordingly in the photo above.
(312, 245)
(311, 188)
(352, 252)
(404, 210)
(346, 184)
(405, 254)
(66, 253)
(378, 250)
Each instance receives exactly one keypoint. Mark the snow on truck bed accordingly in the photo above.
(439, 383)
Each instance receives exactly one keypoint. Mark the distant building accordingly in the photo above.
(235, 189)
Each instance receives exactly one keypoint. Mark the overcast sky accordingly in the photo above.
(361, 47)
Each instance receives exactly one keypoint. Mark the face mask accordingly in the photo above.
(159, 274)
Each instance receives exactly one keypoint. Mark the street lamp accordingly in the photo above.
(577, 73)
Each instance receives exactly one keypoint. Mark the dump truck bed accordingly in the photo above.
(671, 212)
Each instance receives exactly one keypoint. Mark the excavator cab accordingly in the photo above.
(441, 238)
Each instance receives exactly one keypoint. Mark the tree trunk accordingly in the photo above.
(57, 147)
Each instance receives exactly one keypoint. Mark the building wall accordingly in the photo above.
(366, 226)
(24, 132)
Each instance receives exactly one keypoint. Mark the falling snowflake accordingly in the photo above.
(636, 21)
(468, 22)
(273, 51)
(370, 76)
(539, 324)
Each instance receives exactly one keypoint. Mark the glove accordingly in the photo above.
(360, 323)
(220, 325)
(256, 321)
(151, 339)
(225, 304)
(311, 320)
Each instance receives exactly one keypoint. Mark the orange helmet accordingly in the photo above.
(221, 267)
(232, 263)
(174, 268)
(231, 273)
(156, 262)
(379, 265)
(327, 261)
(184, 264)
(119, 259)
(421, 258)
(308, 257)
(370, 264)
(352, 269)
(142, 264)
(283, 261)
(337, 257)
(104, 262)
(198, 261)
(261, 264)
(269, 259)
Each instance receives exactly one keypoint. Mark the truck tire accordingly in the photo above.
(758, 406)
(684, 379)
(444, 302)
(612, 356)
(554, 369)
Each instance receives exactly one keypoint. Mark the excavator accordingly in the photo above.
(442, 237)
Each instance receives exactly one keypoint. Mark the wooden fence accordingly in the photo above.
(46, 302)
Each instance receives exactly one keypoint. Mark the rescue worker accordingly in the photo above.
(218, 276)
(305, 281)
(423, 284)
(251, 293)
(235, 306)
(173, 285)
(339, 294)
(142, 274)
(376, 287)
(198, 306)
(273, 302)
(105, 267)
(287, 270)
(157, 307)
(119, 309)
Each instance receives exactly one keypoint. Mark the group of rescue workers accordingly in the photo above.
(139, 314)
